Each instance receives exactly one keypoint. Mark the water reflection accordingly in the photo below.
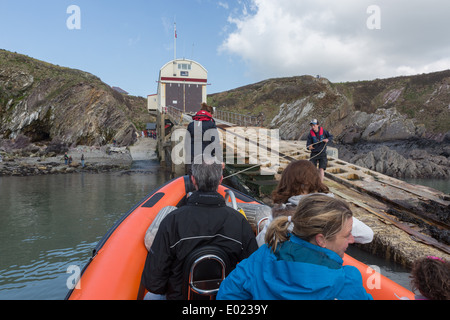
(48, 223)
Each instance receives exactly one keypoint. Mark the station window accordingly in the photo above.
(184, 66)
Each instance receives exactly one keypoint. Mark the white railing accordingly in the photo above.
(227, 116)
(240, 119)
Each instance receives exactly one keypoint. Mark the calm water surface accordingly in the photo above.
(441, 185)
(48, 223)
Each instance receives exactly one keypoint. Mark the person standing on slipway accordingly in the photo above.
(203, 136)
(317, 141)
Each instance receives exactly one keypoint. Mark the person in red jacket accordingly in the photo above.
(317, 141)
(203, 135)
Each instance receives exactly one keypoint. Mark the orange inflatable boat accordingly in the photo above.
(115, 268)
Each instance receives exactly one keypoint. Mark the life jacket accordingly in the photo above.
(202, 115)
(314, 136)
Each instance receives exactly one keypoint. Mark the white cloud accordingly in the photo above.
(294, 37)
(223, 5)
(438, 65)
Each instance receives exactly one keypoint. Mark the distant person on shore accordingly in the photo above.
(299, 180)
(82, 160)
(431, 277)
(317, 141)
(203, 136)
(66, 158)
(305, 264)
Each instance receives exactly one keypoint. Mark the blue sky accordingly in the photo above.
(239, 42)
(123, 43)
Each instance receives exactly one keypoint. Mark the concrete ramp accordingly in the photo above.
(144, 149)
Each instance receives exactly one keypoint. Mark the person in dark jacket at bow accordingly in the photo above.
(204, 220)
(202, 135)
(317, 141)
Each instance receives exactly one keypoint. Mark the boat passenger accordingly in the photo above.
(202, 133)
(431, 277)
(298, 180)
(204, 220)
(306, 264)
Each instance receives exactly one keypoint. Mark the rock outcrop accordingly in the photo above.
(46, 102)
(370, 120)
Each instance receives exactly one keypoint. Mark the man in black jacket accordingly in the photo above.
(204, 220)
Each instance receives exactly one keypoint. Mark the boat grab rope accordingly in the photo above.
(320, 150)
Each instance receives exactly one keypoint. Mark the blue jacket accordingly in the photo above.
(298, 270)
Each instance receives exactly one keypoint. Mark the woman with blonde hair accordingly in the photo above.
(305, 264)
(298, 180)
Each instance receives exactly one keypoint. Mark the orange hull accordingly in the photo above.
(114, 272)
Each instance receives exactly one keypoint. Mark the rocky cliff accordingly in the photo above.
(372, 121)
(45, 103)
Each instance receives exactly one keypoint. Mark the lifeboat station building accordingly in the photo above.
(181, 84)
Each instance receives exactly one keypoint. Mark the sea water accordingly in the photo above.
(50, 223)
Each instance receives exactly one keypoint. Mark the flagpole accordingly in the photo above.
(175, 42)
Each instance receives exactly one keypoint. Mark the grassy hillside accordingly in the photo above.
(423, 98)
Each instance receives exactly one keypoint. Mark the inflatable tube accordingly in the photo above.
(377, 285)
(115, 269)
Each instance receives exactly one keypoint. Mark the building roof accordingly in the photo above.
(186, 61)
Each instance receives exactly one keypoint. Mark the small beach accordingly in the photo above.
(97, 159)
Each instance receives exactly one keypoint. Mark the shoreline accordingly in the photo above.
(107, 158)
(97, 160)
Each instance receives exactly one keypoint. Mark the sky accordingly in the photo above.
(239, 42)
